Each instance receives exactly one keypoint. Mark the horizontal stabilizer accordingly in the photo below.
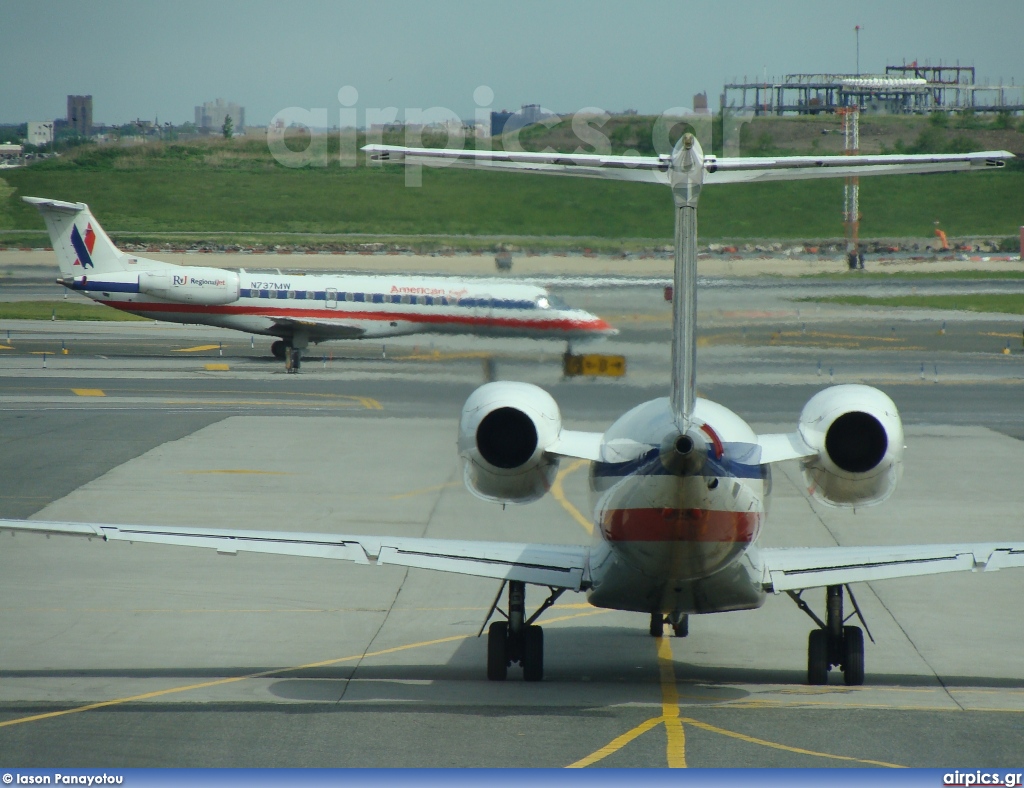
(657, 169)
(44, 205)
(746, 170)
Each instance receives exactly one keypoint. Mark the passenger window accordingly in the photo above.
(291, 294)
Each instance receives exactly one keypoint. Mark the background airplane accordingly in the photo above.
(301, 309)
(680, 484)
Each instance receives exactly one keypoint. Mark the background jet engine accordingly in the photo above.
(504, 433)
(858, 436)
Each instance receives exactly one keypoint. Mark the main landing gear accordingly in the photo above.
(283, 350)
(518, 639)
(834, 644)
(680, 623)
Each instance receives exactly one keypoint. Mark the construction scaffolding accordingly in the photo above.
(900, 90)
(851, 189)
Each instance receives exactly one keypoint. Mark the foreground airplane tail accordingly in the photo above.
(81, 246)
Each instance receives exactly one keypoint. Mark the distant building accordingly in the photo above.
(510, 121)
(210, 116)
(700, 103)
(80, 114)
(9, 150)
(39, 132)
(498, 121)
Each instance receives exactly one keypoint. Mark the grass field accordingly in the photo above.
(171, 188)
(1008, 304)
(61, 310)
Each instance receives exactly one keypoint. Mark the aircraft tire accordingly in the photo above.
(817, 657)
(853, 656)
(657, 627)
(533, 653)
(680, 624)
(278, 349)
(497, 651)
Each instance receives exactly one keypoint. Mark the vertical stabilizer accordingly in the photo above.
(687, 175)
(81, 246)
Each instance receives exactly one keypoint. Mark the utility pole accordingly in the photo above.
(857, 31)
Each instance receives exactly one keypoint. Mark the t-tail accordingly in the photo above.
(81, 246)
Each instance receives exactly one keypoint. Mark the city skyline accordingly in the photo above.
(162, 61)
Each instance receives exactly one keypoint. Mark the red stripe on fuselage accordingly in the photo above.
(562, 324)
(679, 525)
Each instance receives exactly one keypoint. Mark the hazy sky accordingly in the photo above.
(145, 59)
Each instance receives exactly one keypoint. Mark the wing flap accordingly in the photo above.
(548, 565)
(796, 568)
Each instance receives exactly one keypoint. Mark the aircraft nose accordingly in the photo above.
(604, 328)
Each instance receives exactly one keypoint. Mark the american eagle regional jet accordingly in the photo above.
(680, 485)
(301, 309)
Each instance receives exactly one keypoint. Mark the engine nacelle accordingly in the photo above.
(504, 433)
(857, 433)
(204, 286)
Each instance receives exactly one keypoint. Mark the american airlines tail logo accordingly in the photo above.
(83, 248)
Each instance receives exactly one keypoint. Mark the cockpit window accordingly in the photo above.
(552, 302)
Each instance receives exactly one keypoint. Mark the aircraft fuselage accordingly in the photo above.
(676, 540)
(358, 307)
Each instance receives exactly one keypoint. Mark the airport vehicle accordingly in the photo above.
(301, 309)
(680, 484)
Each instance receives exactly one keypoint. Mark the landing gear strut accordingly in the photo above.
(680, 623)
(517, 640)
(286, 350)
(834, 644)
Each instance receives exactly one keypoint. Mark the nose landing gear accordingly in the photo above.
(680, 623)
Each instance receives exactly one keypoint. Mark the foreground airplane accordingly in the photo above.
(301, 309)
(680, 484)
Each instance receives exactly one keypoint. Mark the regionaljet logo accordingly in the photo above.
(83, 248)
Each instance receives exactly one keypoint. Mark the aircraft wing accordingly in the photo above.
(556, 566)
(322, 328)
(648, 169)
(797, 568)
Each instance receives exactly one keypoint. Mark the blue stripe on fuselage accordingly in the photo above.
(649, 464)
(94, 285)
(83, 254)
